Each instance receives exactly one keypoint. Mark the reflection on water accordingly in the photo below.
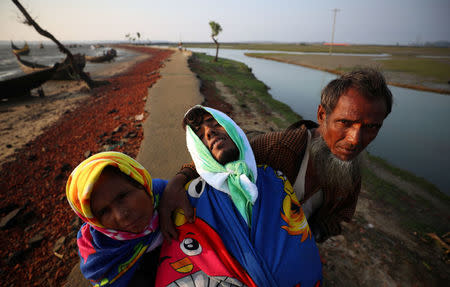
(415, 136)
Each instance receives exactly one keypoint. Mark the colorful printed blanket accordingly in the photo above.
(276, 250)
(249, 229)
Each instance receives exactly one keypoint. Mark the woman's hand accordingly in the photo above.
(174, 197)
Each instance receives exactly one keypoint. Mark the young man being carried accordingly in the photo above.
(249, 226)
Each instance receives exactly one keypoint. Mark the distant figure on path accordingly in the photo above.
(322, 160)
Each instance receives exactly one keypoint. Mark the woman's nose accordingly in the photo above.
(121, 214)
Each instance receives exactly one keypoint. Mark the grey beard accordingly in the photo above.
(332, 172)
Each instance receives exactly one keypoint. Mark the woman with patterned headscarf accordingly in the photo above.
(116, 198)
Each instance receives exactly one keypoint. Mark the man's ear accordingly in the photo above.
(321, 115)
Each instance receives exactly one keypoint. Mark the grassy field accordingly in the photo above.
(423, 67)
(242, 83)
(410, 177)
(356, 49)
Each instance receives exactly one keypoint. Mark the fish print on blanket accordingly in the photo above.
(292, 212)
(198, 258)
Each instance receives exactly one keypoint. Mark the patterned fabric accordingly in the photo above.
(284, 151)
(109, 257)
(235, 178)
(277, 249)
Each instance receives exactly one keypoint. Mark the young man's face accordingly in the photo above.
(118, 204)
(352, 125)
(217, 140)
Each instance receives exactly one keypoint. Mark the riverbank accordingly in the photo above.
(393, 237)
(396, 76)
(38, 227)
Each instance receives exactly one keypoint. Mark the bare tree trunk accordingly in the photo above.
(217, 49)
(61, 47)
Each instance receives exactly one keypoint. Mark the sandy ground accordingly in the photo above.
(333, 63)
(23, 120)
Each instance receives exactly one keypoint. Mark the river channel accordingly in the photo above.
(414, 137)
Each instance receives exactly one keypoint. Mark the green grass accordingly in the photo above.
(410, 177)
(415, 214)
(424, 67)
(243, 84)
(356, 49)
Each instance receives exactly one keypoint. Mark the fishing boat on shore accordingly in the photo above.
(22, 85)
(20, 51)
(107, 56)
(64, 72)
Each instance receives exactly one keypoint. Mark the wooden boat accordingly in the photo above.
(62, 73)
(20, 51)
(21, 86)
(30, 67)
(107, 56)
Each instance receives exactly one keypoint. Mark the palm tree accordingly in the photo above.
(215, 30)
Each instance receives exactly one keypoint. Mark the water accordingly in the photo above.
(49, 56)
(415, 136)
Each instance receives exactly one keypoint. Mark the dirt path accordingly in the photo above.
(163, 149)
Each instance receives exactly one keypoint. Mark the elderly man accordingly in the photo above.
(249, 228)
(322, 160)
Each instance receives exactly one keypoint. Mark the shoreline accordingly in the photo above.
(25, 118)
(109, 118)
(337, 72)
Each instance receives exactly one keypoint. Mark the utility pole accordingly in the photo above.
(335, 10)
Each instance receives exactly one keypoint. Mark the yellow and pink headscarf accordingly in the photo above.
(81, 182)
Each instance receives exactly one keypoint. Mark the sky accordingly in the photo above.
(357, 22)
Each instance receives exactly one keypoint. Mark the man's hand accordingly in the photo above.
(174, 196)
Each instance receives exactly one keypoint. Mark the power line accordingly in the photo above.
(335, 10)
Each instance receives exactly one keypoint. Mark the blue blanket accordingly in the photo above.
(277, 249)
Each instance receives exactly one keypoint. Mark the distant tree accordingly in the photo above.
(215, 30)
(130, 37)
(139, 36)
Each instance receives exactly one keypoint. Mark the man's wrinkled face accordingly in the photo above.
(119, 204)
(352, 125)
(217, 140)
